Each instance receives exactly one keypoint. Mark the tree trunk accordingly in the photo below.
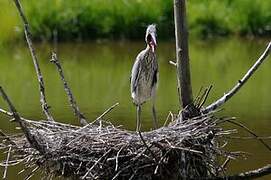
(182, 54)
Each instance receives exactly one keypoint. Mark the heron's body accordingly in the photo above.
(144, 75)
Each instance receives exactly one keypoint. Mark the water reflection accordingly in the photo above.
(98, 74)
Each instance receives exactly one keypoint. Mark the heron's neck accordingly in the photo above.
(149, 50)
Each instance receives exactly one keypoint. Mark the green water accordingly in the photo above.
(98, 73)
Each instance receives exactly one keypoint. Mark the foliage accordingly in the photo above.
(128, 18)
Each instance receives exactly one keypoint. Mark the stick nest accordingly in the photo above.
(102, 151)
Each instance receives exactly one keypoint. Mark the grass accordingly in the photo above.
(128, 18)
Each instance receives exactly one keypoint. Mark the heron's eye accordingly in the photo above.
(149, 38)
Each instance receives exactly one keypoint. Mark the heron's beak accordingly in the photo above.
(153, 42)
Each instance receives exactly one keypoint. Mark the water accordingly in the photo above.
(98, 73)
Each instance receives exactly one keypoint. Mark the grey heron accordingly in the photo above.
(144, 76)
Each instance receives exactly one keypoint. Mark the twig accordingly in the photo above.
(161, 161)
(6, 112)
(100, 117)
(107, 111)
(117, 158)
(266, 170)
(173, 63)
(196, 100)
(251, 132)
(201, 97)
(225, 163)
(104, 155)
(9, 114)
(245, 138)
(240, 83)
(145, 144)
(7, 138)
(29, 176)
(6, 164)
(120, 171)
(71, 99)
(205, 96)
(44, 105)
(170, 114)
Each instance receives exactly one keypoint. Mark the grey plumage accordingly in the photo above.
(144, 74)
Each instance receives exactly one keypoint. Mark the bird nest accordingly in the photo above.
(101, 150)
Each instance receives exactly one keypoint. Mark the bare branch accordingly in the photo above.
(107, 111)
(240, 83)
(31, 138)
(71, 99)
(173, 63)
(11, 107)
(6, 163)
(148, 148)
(251, 132)
(182, 53)
(225, 163)
(266, 170)
(248, 138)
(100, 117)
(8, 138)
(44, 105)
(6, 112)
(205, 96)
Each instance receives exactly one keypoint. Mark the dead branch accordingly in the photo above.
(10, 114)
(100, 117)
(107, 111)
(68, 91)
(223, 166)
(205, 96)
(44, 104)
(6, 112)
(173, 63)
(6, 163)
(182, 53)
(240, 83)
(30, 137)
(8, 138)
(251, 132)
(246, 138)
(147, 147)
(11, 107)
(263, 171)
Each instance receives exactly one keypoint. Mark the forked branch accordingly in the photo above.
(68, 91)
(240, 83)
(44, 105)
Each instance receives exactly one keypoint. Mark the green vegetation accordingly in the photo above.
(94, 19)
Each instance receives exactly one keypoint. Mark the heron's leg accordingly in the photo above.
(138, 118)
(155, 124)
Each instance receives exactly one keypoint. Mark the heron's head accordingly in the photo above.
(150, 37)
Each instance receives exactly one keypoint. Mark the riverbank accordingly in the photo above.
(120, 19)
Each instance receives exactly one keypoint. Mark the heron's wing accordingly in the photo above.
(136, 70)
(155, 73)
(155, 77)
